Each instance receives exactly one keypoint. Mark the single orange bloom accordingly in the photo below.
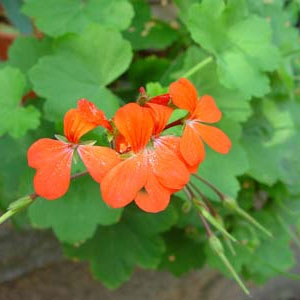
(151, 171)
(204, 110)
(53, 158)
(121, 145)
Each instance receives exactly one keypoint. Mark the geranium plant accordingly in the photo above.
(147, 141)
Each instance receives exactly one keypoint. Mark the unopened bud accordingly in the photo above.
(230, 203)
(186, 207)
(216, 245)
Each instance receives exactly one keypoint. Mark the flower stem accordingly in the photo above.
(6, 216)
(191, 196)
(175, 123)
(213, 187)
(204, 198)
(199, 66)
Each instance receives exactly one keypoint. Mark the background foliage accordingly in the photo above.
(104, 51)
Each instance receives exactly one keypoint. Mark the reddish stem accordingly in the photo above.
(175, 123)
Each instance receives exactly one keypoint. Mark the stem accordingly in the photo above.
(74, 176)
(204, 198)
(189, 193)
(173, 124)
(199, 66)
(206, 226)
(191, 196)
(6, 216)
(203, 210)
(213, 187)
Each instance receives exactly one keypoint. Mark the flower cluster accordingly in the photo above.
(143, 164)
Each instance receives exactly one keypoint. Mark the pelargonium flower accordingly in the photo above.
(122, 145)
(53, 158)
(204, 110)
(152, 170)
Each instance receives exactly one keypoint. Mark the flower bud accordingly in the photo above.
(230, 203)
(216, 245)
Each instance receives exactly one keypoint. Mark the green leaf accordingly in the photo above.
(222, 170)
(13, 169)
(259, 257)
(74, 217)
(231, 35)
(182, 254)
(15, 119)
(154, 89)
(285, 35)
(272, 142)
(57, 17)
(26, 51)
(272, 255)
(80, 68)
(177, 114)
(147, 69)
(146, 32)
(114, 251)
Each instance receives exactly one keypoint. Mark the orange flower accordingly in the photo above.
(53, 158)
(204, 110)
(151, 171)
(154, 105)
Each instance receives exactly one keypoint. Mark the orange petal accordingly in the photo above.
(214, 137)
(191, 147)
(167, 166)
(173, 143)
(161, 99)
(135, 124)
(207, 110)
(52, 159)
(75, 126)
(122, 183)
(161, 115)
(98, 160)
(184, 95)
(92, 114)
(155, 198)
(121, 145)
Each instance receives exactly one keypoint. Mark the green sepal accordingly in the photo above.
(61, 138)
(88, 143)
